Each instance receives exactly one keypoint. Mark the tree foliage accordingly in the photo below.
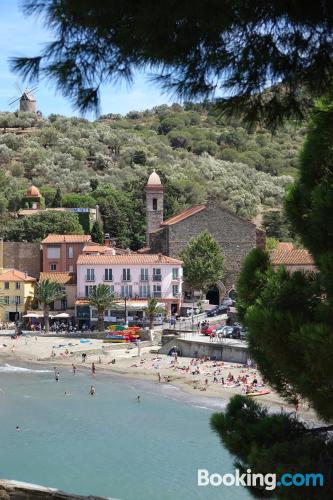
(101, 297)
(203, 261)
(47, 292)
(243, 48)
(37, 226)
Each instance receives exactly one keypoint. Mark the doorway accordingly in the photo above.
(213, 295)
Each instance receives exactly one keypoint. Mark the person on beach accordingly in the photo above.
(74, 369)
(93, 369)
(159, 376)
(92, 391)
(84, 357)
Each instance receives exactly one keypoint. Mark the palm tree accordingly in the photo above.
(47, 292)
(101, 297)
(152, 309)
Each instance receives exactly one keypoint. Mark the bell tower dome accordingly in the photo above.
(154, 204)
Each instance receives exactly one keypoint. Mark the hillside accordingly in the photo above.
(107, 162)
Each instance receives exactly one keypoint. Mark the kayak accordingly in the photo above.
(258, 393)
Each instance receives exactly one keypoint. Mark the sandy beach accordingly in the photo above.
(215, 379)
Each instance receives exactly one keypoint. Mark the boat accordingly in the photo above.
(258, 393)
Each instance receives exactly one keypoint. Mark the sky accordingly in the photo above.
(25, 36)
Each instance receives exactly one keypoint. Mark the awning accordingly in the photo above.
(62, 315)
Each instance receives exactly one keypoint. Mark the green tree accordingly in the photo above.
(193, 53)
(97, 233)
(48, 292)
(289, 317)
(57, 199)
(37, 226)
(153, 308)
(101, 297)
(203, 262)
(74, 200)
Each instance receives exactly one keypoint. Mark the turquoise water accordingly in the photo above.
(108, 444)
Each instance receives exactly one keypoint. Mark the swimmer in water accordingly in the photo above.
(18, 428)
(138, 399)
(74, 369)
(92, 391)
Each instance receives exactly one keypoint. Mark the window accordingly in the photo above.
(70, 252)
(17, 285)
(175, 290)
(6, 285)
(144, 291)
(53, 266)
(126, 275)
(111, 289)
(154, 203)
(144, 275)
(175, 273)
(53, 252)
(108, 274)
(89, 289)
(70, 269)
(18, 300)
(90, 275)
(126, 291)
(157, 274)
(6, 300)
(157, 290)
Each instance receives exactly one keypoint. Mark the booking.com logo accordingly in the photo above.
(268, 481)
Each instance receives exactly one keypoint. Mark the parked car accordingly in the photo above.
(213, 312)
(209, 330)
(228, 302)
(227, 332)
(222, 309)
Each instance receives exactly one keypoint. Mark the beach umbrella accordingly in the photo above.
(31, 315)
(62, 315)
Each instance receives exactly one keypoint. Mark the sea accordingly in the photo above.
(109, 444)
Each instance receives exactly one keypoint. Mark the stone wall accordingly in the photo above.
(25, 257)
(196, 349)
(236, 236)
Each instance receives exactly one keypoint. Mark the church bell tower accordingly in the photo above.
(154, 204)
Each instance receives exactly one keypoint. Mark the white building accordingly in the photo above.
(134, 277)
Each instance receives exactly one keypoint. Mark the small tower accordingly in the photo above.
(28, 102)
(33, 198)
(154, 204)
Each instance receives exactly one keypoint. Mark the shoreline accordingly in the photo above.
(51, 352)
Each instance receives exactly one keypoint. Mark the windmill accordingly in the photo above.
(26, 98)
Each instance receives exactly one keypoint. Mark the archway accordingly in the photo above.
(213, 295)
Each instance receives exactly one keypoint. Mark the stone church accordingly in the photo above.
(236, 236)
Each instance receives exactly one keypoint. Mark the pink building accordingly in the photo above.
(61, 251)
(134, 276)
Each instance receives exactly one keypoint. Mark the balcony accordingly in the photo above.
(88, 277)
(144, 278)
(157, 277)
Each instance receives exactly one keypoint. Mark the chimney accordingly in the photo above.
(107, 240)
(159, 257)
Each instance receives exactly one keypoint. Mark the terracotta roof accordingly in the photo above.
(295, 257)
(33, 191)
(67, 238)
(61, 278)
(15, 275)
(133, 258)
(95, 248)
(285, 245)
(184, 215)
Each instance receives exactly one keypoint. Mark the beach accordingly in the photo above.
(211, 379)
